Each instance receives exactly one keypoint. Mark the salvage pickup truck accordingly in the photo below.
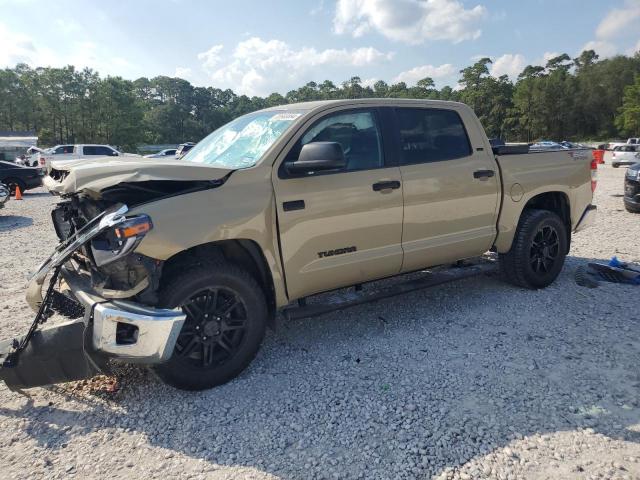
(182, 264)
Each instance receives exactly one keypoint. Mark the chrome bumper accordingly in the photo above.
(587, 219)
(152, 331)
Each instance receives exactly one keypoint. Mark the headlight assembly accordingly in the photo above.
(120, 240)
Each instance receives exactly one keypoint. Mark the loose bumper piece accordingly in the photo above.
(55, 354)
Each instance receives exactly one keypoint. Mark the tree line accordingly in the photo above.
(580, 98)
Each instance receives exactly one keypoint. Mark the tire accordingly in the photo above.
(538, 250)
(12, 183)
(615, 164)
(631, 209)
(213, 350)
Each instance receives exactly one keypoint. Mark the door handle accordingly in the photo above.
(391, 184)
(293, 205)
(483, 174)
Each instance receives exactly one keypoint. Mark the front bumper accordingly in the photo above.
(126, 330)
(587, 219)
(119, 329)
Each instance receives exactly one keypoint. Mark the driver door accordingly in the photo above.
(343, 227)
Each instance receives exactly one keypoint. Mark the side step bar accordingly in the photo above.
(430, 279)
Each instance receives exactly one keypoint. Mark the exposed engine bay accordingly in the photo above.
(107, 260)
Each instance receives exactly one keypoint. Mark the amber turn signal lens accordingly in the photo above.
(134, 227)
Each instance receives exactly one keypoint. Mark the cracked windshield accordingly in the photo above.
(242, 142)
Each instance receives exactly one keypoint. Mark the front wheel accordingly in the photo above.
(226, 320)
(538, 250)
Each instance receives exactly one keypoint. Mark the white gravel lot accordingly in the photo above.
(476, 379)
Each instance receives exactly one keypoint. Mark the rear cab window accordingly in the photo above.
(98, 150)
(431, 135)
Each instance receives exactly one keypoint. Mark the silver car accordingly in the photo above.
(168, 153)
(4, 194)
(625, 155)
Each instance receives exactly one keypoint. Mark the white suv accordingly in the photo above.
(78, 152)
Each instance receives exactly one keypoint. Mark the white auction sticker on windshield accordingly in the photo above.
(285, 116)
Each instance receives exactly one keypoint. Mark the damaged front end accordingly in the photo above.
(96, 278)
(90, 274)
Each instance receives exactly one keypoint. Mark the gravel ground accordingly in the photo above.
(476, 379)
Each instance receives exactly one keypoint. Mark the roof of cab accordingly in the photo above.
(322, 104)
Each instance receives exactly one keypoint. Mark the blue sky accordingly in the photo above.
(257, 47)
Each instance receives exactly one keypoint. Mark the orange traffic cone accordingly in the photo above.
(18, 193)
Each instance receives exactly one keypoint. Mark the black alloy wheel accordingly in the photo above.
(214, 329)
(226, 317)
(545, 250)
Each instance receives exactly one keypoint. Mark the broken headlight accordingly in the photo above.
(120, 240)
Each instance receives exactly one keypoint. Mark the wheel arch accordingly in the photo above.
(555, 201)
(242, 252)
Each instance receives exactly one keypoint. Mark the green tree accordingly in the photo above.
(628, 121)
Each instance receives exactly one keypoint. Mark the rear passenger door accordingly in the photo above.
(341, 227)
(450, 187)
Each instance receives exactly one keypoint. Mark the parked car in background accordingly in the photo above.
(183, 148)
(632, 189)
(166, 153)
(547, 145)
(625, 155)
(13, 175)
(79, 152)
(4, 194)
(567, 144)
(32, 157)
(630, 141)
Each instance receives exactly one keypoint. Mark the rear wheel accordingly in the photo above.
(538, 250)
(12, 183)
(226, 320)
(615, 164)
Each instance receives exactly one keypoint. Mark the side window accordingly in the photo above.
(106, 151)
(357, 132)
(431, 135)
(97, 150)
(63, 149)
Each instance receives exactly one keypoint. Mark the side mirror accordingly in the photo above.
(114, 154)
(317, 157)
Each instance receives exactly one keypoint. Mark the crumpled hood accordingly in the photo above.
(94, 176)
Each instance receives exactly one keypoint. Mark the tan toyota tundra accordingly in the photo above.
(182, 264)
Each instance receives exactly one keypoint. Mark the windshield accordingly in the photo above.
(242, 142)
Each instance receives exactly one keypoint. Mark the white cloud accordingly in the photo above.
(619, 25)
(259, 67)
(619, 19)
(602, 47)
(409, 21)
(17, 47)
(411, 77)
(211, 58)
(369, 82)
(508, 64)
(183, 72)
(546, 56)
(634, 49)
